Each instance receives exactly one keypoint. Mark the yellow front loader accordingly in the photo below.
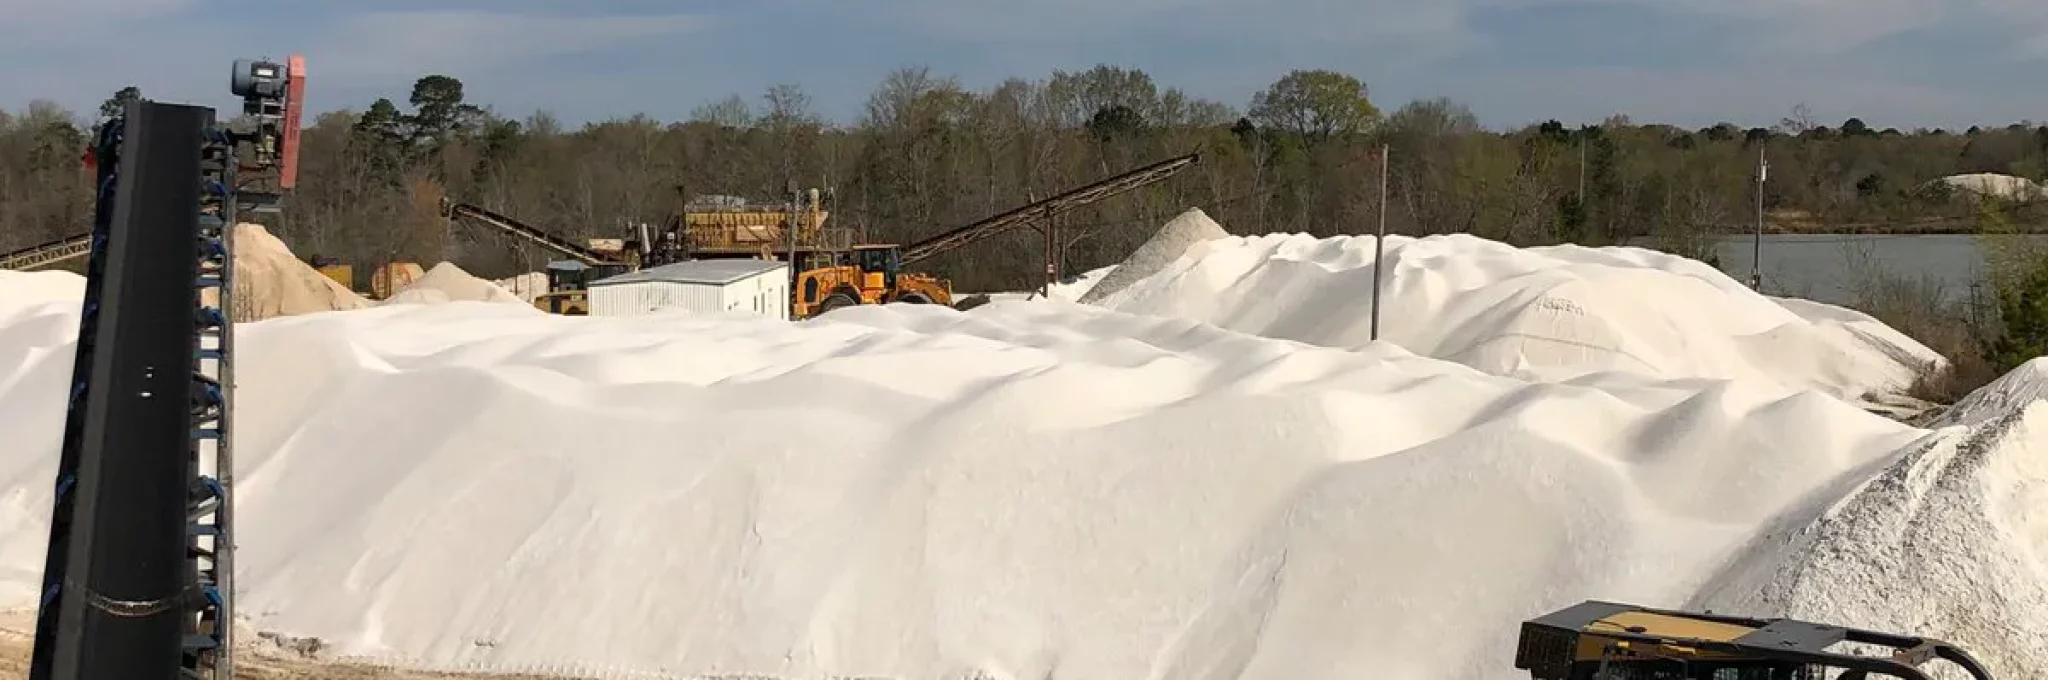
(867, 275)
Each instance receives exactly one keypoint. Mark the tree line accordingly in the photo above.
(927, 153)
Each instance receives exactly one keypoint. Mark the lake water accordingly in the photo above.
(1827, 267)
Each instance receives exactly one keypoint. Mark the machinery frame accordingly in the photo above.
(1598, 639)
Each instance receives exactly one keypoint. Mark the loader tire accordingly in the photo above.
(836, 301)
(914, 299)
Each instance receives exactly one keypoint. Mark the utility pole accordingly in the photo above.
(1050, 227)
(1379, 245)
(1756, 256)
(796, 213)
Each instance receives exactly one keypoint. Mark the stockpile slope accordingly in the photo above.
(1549, 314)
(35, 288)
(1949, 538)
(446, 283)
(1999, 398)
(525, 286)
(1159, 252)
(272, 282)
(915, 492)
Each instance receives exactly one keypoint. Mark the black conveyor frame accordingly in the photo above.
(119, 536)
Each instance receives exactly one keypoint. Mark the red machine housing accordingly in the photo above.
(294, 107)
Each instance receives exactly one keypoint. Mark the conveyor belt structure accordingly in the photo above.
(138, 580)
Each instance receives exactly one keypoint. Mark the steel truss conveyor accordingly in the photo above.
(44, 255)
(138, 579)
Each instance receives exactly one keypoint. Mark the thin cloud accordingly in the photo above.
(1251, 23)
(1749, 96)
(1831, 27)
(39, 14)
(377, 46)
(38, 24)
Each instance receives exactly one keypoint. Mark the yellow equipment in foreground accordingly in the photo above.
(1608, 641)
(865, 275)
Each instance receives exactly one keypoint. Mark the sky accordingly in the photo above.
(1893, 63)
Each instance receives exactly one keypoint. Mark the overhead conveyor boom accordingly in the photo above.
(528, 233)
(47, 254)
(1073, 198)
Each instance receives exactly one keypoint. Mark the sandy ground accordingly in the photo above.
(15, 638)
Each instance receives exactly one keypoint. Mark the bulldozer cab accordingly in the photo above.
(1608, 641)
(883, 261)
(570, 275)
(566, 275)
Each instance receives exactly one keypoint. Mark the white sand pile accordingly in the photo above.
(34, 288)
(38, 323)
(1065, 290)
(1168, 245)
(273, 282)
(2008, 187)
(448, 283)
(475, 485)
(1951, 537)
(1550, 314)
(525, 286)
(2001, 397)
(1073, 287)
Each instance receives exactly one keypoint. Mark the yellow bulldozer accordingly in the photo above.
(1608, 641)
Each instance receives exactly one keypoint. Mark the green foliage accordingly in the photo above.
(1115, 122)
(1936, 193)
(1571, 214)
(2010, 254)
(1315, 104)
(113, 105)
(928, 153)
(2023, 313)
(2017, 269)
(438, 110)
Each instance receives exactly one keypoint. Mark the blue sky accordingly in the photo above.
(1902, 63)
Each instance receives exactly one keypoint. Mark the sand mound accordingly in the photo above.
(908, 491)
(1166, 246)
(1918, 545)
(959, 499)
(449, 283)
(1071, 289)
(33, 288)
(420, 296)
(2008, 187)
(2024, 385)
(1549, 314)
(272, 282)
(525, 286)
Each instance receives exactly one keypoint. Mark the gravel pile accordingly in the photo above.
(1172, 241)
